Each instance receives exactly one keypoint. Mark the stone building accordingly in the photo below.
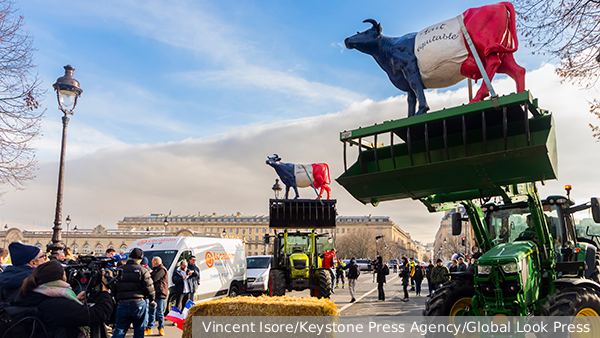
(250, 229)
(445, 244)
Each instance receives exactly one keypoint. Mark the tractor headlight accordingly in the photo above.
(261, 279)
(484, 269)
(511, 268)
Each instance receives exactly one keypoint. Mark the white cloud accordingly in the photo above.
(228, 174)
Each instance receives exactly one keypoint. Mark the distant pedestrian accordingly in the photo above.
(454, 266)
(418, 277)
(412, 273)
(439, 274)
(195, 278)
(339, 274)
(3, 258)
(382, 271)
(353, 273)
(461, 264)
(329, 263)
(429, 281)
(405, 274)
(374, 267)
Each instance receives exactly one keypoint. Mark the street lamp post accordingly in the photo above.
(166, 224)
(5, 233)
(67, 92)
(276, 188)
(68, 221)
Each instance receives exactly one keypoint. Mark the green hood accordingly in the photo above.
(507, 253)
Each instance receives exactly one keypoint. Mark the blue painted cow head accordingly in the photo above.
(367, 41)
(272, 160)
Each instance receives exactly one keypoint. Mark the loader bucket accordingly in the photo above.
(302, 213)
(474, 147)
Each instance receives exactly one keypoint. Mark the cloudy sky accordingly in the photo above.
(183, 101)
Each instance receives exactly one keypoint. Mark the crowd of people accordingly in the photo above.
(36, 280)
(411, 271)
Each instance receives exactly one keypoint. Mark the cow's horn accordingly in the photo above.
(374, 23)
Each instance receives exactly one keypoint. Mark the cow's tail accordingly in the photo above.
(327, 169)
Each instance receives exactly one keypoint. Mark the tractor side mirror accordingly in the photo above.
(267, 239)
(456, 224)
(596, 209)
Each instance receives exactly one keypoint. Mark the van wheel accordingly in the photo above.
(170, 304)
(234, 291)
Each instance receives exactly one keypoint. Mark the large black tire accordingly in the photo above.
(234, 291)
(596, 273)
(170, 303)
(323, 281)
(573, 301)
(451, 299)
(276, 283)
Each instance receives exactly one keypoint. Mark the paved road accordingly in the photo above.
(366, 304)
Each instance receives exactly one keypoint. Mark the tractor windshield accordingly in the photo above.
(298, 243)
(324, 243)
(507, 225)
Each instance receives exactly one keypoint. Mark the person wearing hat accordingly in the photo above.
(135, 286)
(439, 274)
(461, 264)
(60, 310)
(24, 258)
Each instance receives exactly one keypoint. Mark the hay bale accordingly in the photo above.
(260, 306)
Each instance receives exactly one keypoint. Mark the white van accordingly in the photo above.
(222, 263)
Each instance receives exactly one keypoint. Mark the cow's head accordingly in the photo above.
(272, 160)
(367, 40)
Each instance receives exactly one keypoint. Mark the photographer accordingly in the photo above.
(62, 313)
(135, 285)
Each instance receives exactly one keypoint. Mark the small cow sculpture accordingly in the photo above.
(301, 175)
(438, 56)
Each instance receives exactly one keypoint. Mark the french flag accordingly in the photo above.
(177, 316)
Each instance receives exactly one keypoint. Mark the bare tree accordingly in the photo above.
(568, 31)
(20, 118)
(357, 244)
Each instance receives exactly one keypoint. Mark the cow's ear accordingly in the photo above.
(379, 28)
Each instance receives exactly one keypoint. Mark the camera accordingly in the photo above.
(87, 274)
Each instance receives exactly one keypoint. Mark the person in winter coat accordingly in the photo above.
(429, 281)
(382, 271)
(131, 291)
(461, 264)
(195, 278)
(160, 277)
(439, 274)
(61, 311)
(418, 278)
(339, 272)
(353, 273)
(454, 266)
(182, 278)
(405, 274)
(24, 258)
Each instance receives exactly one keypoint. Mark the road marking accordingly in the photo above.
(363, 296)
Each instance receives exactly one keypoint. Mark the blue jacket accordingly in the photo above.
(11, 280)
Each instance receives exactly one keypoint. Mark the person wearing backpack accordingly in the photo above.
(382, 271)
(405, 274)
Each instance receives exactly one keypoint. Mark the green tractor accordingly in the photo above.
(530, 261)
(297, 255)
(487, 157)
(297, 263)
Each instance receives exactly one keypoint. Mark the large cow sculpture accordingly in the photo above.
(301, 175)
(439, 55)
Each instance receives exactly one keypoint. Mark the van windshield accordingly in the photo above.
(167, 256)
(258, 262)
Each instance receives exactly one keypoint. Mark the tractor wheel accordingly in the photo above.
(451, 299)
(596, 274)
(573, 301)
(323, 281)
(276, 283)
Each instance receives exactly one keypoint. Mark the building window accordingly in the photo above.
(231, 230)
(123, 248)
(86, 249)
(244, 230)
(263, 230)
(74, 248)
(250, 230)
(211, 229)
(343, 230)
(237, 230)
(99, 249)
